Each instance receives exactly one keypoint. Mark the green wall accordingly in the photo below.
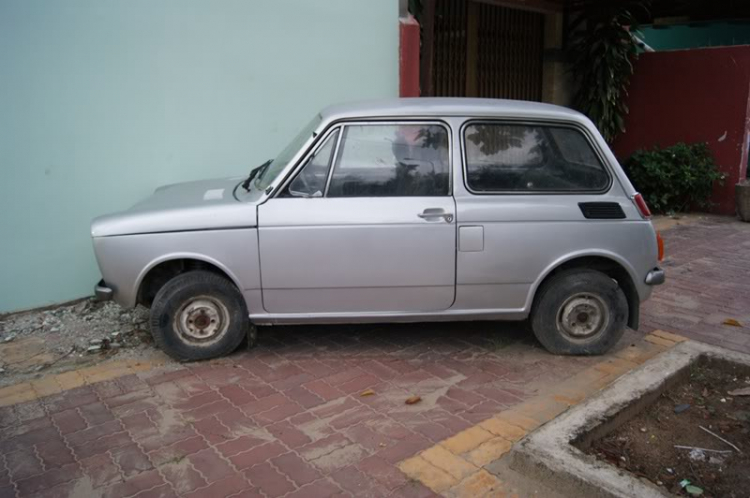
(101, 101)
(715, 34)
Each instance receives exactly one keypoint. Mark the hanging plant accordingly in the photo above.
(601, 52)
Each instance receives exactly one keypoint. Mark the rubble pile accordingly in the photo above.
(73, 330)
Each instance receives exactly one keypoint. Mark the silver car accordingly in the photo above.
(395, 211)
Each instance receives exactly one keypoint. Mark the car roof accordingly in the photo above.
(448, 106)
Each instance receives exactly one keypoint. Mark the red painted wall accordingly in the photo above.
(408, 63)
(698, 95)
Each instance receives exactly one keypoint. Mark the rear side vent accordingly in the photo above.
(601, 210)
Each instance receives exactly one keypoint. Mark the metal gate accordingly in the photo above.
(478, 49)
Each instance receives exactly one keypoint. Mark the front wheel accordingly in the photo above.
(199, 315)
(579, 312)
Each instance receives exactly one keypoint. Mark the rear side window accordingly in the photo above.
(530, 158)
(392, 160)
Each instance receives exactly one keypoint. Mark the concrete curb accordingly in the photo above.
(548, 454)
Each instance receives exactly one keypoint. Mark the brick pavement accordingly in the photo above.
(708, 281)
(287, 418)
(470, 463)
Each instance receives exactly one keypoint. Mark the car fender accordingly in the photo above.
(184, 255)
(126, 260)
(575, 255)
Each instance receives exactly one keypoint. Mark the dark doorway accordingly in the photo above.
(480, 49)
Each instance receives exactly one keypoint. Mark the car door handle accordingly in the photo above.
(435, 213)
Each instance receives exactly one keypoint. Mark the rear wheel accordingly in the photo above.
(199, 315)
(581, 312)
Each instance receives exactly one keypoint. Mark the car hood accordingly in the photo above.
(200, 205)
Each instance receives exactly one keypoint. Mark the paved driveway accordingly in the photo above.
(708, 282)
(288, 418)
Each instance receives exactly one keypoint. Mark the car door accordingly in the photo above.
(366, 225)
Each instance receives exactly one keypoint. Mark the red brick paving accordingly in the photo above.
(708, 281)
(286, 418)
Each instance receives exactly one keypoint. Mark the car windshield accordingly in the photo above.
(286, 155)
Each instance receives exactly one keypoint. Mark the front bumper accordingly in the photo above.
(655, 277)
(102, 292)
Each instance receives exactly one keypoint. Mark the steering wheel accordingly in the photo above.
(303, 178)
(314, 181)
(307, 180)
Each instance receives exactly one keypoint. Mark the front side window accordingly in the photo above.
(530, 158)
(392, 160)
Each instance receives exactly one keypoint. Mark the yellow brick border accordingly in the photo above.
(455, 466)
(57, 383)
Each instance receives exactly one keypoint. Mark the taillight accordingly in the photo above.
(660, 245)
(640, 203)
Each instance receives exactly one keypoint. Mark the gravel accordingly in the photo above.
(71, 334)
(75, 325)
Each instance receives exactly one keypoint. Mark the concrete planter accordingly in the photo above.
(742, 198)
(552, 453)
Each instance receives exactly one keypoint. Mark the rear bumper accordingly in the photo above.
(655, 277)
(102, 292)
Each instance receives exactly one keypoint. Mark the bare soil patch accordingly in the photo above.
(645, 445)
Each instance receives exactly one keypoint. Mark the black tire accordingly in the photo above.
(199, 315)
(579, 312)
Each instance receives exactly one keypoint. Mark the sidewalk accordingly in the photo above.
(708, 282)
(285, 418)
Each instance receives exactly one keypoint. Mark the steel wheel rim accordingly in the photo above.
(583, 316)
(202, 320)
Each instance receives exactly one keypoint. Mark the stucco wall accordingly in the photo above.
(698, 95)
(101, 102)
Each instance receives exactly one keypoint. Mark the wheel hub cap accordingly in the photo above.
(583, 315)
(202, 319)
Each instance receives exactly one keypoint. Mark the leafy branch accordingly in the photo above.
(602, 50)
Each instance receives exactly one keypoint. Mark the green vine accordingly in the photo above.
(601, 54)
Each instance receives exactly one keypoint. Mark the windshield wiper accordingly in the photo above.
(255, 172)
